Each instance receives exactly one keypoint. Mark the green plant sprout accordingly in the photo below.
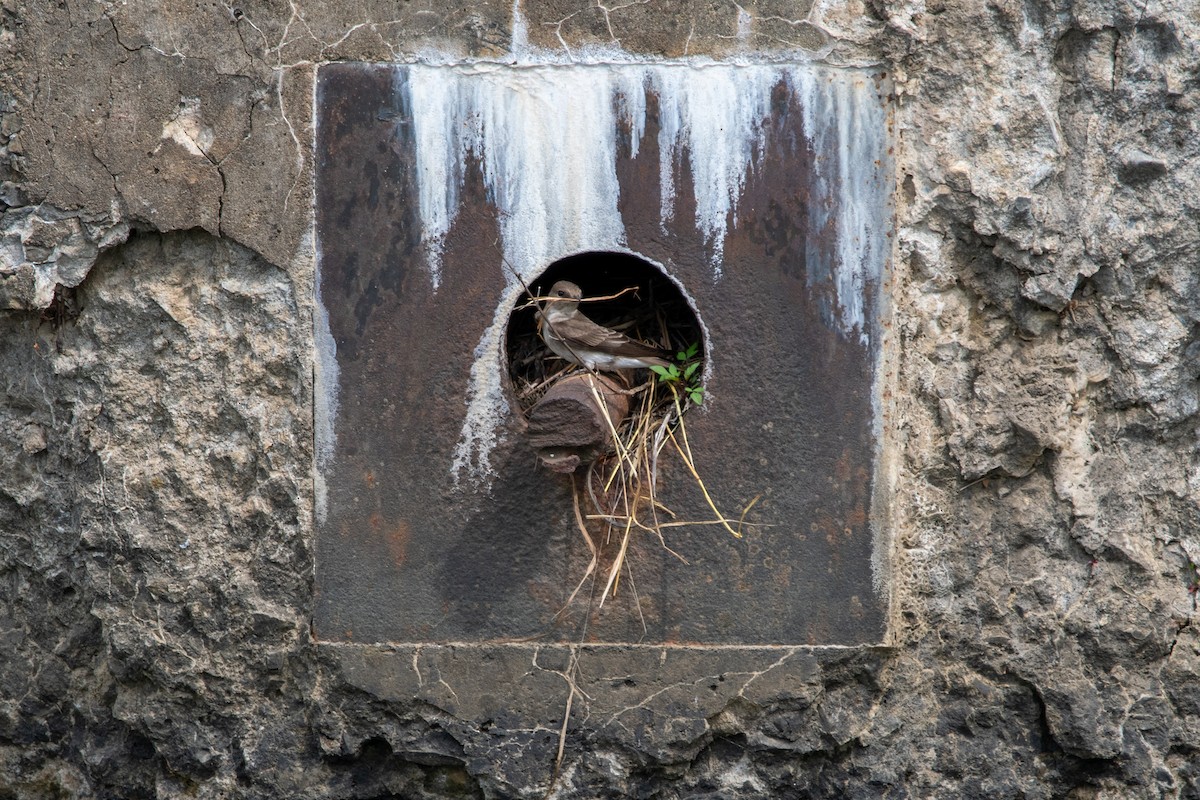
(685, 374)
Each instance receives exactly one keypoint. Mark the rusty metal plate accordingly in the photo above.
(762, 191)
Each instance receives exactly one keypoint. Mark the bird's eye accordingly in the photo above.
(561, 293)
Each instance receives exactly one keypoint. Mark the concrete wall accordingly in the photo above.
(156, 494)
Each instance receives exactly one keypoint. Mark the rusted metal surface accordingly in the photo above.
(407, 554)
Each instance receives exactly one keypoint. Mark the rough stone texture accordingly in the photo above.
(155, 487)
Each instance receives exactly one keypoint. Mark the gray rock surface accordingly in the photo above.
(156, 457)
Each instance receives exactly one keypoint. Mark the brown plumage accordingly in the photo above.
(572, 336)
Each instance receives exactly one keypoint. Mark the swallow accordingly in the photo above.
(572, 336)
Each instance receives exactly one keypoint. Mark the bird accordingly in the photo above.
(572, 336)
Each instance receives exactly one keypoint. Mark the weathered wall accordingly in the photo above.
(155, 464)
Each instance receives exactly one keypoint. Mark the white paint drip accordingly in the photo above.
(325, 364)
(546, 139)
(745, 24)
(546, 143)
(846, 128)
(325, 398)
(519, 44)
(717, 111)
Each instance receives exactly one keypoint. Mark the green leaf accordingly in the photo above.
(697, 396)
(691, 370)
(681, 356)
(691, 351)
(669, 373)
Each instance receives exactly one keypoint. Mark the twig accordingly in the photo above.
(588, 539)
(533, 387)
(534, 298)
(687, 460)
(614, 573)
(746, 510)
(562, 732)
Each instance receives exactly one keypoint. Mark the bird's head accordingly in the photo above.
(565, 292)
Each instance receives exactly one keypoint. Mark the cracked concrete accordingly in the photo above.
(716, 29)
(155, 471)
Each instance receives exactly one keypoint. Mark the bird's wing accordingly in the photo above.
(589, 334)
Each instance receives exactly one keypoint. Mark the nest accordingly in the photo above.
(617, 495)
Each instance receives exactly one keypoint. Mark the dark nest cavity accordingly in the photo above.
(651, 309)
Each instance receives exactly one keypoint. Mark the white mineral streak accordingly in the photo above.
(545, 137)
(325, 364)
(326, 398)
(745, 25)
(717, 111)
(520, 33)
(847, 130)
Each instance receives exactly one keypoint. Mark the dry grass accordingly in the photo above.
(617, 497)
(621, 488)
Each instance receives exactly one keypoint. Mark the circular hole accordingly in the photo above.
(651, 308)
